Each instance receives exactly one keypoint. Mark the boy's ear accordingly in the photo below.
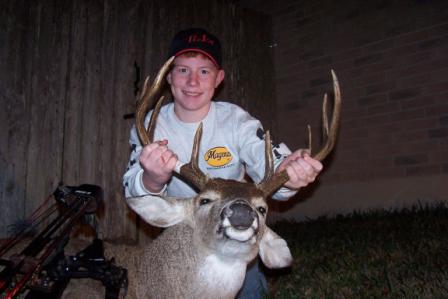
(158, 211)
(219, 77)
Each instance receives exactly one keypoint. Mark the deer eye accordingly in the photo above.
(262, 210)
(204, 201)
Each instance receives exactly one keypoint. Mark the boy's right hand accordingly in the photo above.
(158, 163)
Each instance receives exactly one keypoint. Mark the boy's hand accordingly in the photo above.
(301, 169)
(158, 163)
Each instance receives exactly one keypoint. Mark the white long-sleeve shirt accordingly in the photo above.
(232, 143)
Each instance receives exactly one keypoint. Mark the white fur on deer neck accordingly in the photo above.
(216, 272)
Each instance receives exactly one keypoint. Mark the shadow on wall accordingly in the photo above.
(306, 193)
(303, 195)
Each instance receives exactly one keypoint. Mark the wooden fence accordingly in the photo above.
(69, 71)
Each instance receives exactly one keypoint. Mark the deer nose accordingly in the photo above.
(241, 216)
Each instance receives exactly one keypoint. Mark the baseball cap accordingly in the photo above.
(197, 40)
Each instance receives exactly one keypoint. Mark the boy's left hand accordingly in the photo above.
(301, 169)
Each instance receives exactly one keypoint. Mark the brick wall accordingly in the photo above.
(391, 58)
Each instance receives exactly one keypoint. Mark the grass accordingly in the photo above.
(380, 254)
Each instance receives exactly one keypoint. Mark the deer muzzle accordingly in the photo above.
(239, 221)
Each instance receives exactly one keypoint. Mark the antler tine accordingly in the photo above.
(332, 131)
(191, 171)
(146, 101)
(153, 119)
(269, 160)
(272, 182)
(325, 129)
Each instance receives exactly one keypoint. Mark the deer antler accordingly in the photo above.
(146, 101)
(189, 171)
(272, 182)
(192, 172)
(332, 131)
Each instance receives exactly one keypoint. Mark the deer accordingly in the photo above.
(208, 240)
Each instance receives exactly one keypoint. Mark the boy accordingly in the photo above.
(196, 73)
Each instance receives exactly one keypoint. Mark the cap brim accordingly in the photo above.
(199, 51)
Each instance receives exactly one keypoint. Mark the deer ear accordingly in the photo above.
(158, 211)
(274, 251)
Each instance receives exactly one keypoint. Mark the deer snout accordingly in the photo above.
(241, 215)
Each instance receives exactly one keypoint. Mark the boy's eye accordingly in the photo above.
(204, 72)
(181, 69)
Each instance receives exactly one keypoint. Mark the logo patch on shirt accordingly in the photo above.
(218, 156)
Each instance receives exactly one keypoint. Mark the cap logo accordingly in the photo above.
(200, 38)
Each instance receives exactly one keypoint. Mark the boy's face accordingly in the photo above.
(193, 80)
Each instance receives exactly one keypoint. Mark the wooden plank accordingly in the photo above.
(46, 92)
(114, 55)
(130, 34)
(14, 129)
(75, 95)
(92, 80)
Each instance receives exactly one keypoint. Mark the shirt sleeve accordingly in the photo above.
(250, 137)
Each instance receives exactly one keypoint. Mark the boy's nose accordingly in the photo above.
(193, 79)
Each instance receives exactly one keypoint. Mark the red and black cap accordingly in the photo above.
(197, 40)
